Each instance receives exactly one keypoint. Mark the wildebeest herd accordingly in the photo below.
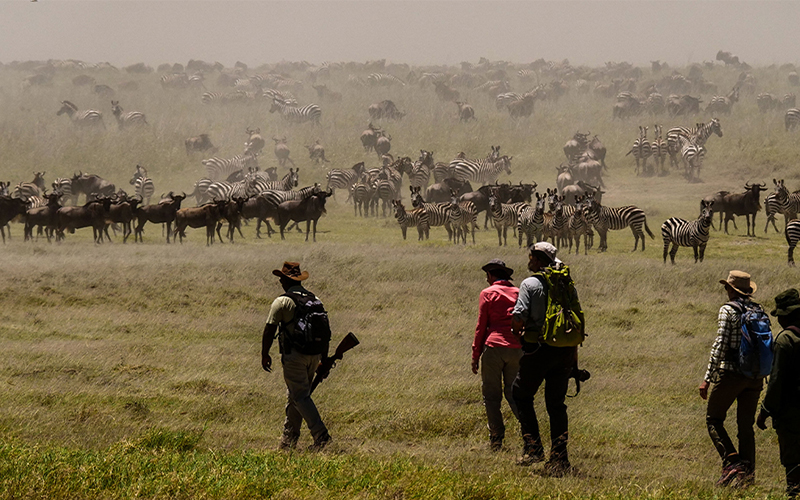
(449, 193)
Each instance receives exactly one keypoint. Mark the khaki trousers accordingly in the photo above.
(733, 387)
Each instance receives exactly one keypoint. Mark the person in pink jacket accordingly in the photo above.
(495, 350)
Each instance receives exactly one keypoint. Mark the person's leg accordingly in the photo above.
(746, 407)
(510, 369)
(721, 396)
(789, 443)
(492, 391)
(298, 372)
(526, 384)
(555, 393)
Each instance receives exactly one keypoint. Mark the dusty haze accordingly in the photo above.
(444, 32)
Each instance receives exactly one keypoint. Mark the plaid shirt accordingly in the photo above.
(729, 337)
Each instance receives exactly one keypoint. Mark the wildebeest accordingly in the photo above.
(88, 184)
(44, 217)
(199, 143)
(309, 210)
(196, 217)
(93, 213)
(317, 153)
(10, 208)
(282, 151)
(746, 204)
(385, 109)
(255, 143)
(161, 213)
(383, 144)
(440, 192)
(683, 105)
(465, 112)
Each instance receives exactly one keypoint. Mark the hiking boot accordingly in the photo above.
(320, 442)
(557, 468)
(730, 473)
(746, 476)
(495, 443)
(288, 442)
(532, 451)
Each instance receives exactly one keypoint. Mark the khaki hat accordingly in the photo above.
(544, 249)
(291, 270)
(740, 281)
(786, 302)
(498, 265)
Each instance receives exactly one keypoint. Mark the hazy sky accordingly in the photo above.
(586, 32)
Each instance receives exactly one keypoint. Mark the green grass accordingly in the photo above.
(133, 370)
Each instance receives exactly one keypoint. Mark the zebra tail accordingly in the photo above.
(648, 230)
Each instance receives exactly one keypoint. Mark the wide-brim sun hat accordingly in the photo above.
(498, 265)
(741, 282)
(786, 302)
(292, 271)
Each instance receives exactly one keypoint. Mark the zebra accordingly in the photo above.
(382, 79)
(222, 168)
(463, 218)
(344, 179)
(692, 155)
(792, 237)
(275, 197)
(26, 190)
(723, 104)
(504, 215)
(308, 113)
(556, 222)
(201, 191)
(484, 171)
(384, 190)
(86, 118)
(506, 98)
(605, 218)
(437, 213)
(700, 134)
(530, 221)
(578, 225)
(175, 81)
(783, 202)
(144, 187)
(683, 233)
(659, 148)
(421, 170)
(258, 184)
(792, 118)
(287, 97)
(641, 150)
(131, 118)
(361, 193)
(417, 217)
(222, 190)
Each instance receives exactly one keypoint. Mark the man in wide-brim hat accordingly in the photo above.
(495, 349)
(724, 384)
(782, 399)
(298, 367)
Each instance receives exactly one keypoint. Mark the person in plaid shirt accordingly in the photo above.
(723, 385)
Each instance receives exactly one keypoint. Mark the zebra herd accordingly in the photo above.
(686, 143)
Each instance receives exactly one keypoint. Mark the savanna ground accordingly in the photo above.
(134, 371)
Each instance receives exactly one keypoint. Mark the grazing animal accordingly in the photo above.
(256, 185)
(641, 150)
(282, 151)
(792, 119)
(308, 113)
(522, 108)
(417, 217)
(93, 214)
(255, 143)
(530, 221)
(699, 136)
(317, 153)
(222, 168)
(463, 218)
(465, 112)
(438, 213)
(605, 218)
(200, 143)
(87, 118)
(129, 119)
(767, 102)
(440, 192)
(722, 105)
(89, 184)
(362, 194)
(370, 136)
(64, 186)
(344, 179)
(421, 169)
(144, 187)
(384, 109)
(43, 217)
(308, 209)
(792, 237)
(10, 208)
(692, 155)
(196, 217)
(746, 204)
(384, 80)
(659, 148)
(683, 233)
(484, 171)
(383, 144)
(503, 216)
(162, 213)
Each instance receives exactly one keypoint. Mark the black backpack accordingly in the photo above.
(312, 331)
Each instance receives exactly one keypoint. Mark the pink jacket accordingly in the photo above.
(494, 318)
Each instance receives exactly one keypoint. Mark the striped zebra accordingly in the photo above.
(201, 191)
(659, 148)
(463, 218)
(484, 171)
(144, 187)
(221, 168)
(26, 190)
(723, 104)
(384, 191)
(283, 95)
(504, 215)
(131, 118)
(384, 80)
(308, 113)
(605, 218)
(417, 217)
(361, 193)
(792, 118)
(421, 170)
(344, 179)
(257, 184)
(692, 155)
(530, 221)
(698, 134)
(781, 202)
(437, 213)
(578, 226)
(506, 98)
(273, 198)
(641, 150)
(556, 222)
(228, 191)
(683, 233)
(86, 118)
(175, 81)
(792, 237)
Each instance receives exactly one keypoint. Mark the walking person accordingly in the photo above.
(782, 399)
(544, 360)
(300, 354)
(724, 384)
(495, 349)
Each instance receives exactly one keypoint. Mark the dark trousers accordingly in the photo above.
(733, 387)
(551, 365)
(789, 442)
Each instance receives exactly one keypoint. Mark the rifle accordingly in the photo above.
(324, 368)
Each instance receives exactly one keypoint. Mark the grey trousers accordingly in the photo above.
(298, 373)
(499, 367)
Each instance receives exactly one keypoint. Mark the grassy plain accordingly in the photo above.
(133, 370)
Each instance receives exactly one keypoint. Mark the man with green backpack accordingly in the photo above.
(549, 318)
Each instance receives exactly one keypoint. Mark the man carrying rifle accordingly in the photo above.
(301, 324)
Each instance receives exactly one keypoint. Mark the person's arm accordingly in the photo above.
(266, 345)
(481, 331)
(520, 312)
(724, 328)
(771, 405)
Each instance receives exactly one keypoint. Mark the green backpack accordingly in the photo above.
(564, 324)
